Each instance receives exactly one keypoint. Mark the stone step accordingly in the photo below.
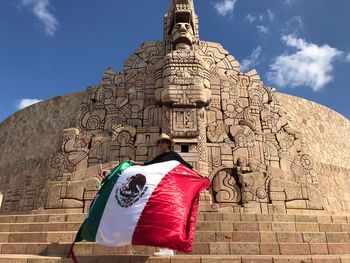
(273, 226)
(200, 236)
(42, 218)
(205, 248)
(209, 217)
(40, 227)
(201, 226)
(178, 259)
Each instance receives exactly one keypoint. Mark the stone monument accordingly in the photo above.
(279, 165)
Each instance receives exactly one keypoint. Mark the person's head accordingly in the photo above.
(164, 143)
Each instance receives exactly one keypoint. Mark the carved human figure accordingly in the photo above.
(76, 148)
(182, 36)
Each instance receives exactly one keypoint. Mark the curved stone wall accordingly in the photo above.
(326, 136)
(326, 132)
(27, 139)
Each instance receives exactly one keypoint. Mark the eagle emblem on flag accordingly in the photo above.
(131, 191)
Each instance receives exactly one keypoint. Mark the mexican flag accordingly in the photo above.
(154, 205)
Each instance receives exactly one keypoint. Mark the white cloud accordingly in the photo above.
(311, 65)
(40, 8)
(271, 15)
(262, 29)
(252, 60)
(24, 103)
(250, 18)
(347, 58)
(225, 7)
(293, 26)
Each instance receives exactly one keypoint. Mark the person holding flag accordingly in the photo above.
(165, 145)
(151, 203)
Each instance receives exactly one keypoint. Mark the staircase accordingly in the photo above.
(220, 238)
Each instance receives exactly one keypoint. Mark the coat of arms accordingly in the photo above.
(131, 191)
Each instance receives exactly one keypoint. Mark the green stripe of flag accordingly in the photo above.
(90, 227)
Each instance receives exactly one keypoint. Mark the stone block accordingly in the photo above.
(83, 249)
(318, 249)
(283, 218)
(43, 260)
(54, 227)
(226, 226)
(292, 259)
(314, 237)
(25, 219)
(269, 249)
(57, 218)
(265, 226)
(246, 236)
(58, 249)
(307, 227)
(13, 260)
(201, 249)
(41, 218)
(6, 227)
(268, 237)
(213, 217)
(36, 249)
(289, 237)
(324, 219)
(264, 217)
(248, 217)
(345, 227)
(338, 237)
(326, 259)
(220, 248)
(246, 226)
(200, 217)
(76, 218)
(4, 237)
(222, 237)
(339, 219)
(204, 236)
(231, 217)
(244, 248)
(338, 248)
(36, 227)
(345, 259)
(306, 218)
(60, 237)
(209, 226)
(280, 227)
(330, 227)
(13, 248)
(294, 249)
(101, 250)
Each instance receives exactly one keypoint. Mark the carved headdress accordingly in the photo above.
(181, 12)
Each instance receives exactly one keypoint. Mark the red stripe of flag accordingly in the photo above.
(169, 218)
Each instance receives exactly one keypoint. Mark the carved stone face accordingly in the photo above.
(182, 33)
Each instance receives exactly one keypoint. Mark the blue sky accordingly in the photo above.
(54, 47)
